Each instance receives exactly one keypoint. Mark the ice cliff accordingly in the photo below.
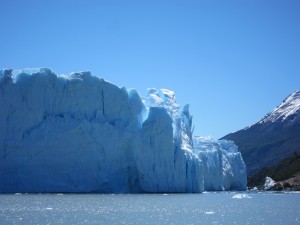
(79, 133)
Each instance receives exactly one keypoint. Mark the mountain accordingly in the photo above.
(273, 138)
(80, 133)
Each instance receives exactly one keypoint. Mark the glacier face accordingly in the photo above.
(223, 165)
(79, 133)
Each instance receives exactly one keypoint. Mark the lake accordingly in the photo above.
(206, 208)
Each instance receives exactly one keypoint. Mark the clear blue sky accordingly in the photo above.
(233, 61)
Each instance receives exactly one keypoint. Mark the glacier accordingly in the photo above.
(80, 133)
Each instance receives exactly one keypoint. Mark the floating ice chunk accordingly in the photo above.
(240, 196)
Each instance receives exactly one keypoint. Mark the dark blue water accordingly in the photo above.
(207, 208)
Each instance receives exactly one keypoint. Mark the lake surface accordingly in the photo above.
(206, 208)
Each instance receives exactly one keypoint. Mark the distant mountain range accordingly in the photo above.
(272, 139)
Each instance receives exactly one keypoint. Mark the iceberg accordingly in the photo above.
(80, 133)
(241, 196)
(269, 183)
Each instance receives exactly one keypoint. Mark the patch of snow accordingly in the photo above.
(288, 107)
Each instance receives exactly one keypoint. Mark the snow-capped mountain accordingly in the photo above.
(79, 133)
(273, 138)
(289, 109)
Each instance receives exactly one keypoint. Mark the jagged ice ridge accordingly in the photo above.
(79, 133)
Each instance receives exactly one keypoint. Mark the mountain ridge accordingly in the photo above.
(273, 138)
(288, 107)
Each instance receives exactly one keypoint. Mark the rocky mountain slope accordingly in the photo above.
(291, 184)
(283, 170)
(273, 138)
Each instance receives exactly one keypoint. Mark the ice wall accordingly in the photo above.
(223, 165)
(79, 133)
